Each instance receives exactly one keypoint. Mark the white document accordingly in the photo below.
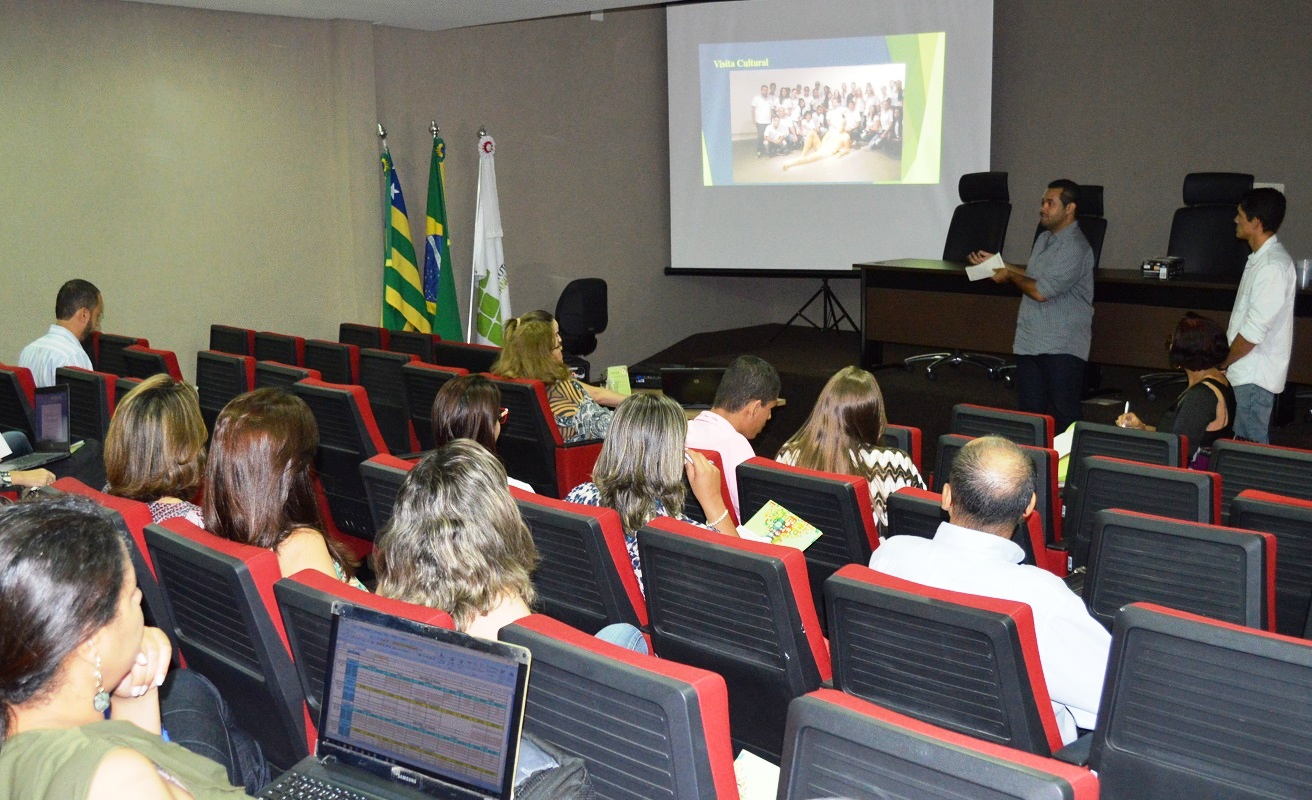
(985, 269)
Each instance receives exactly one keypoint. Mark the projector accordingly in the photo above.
(1167, 268)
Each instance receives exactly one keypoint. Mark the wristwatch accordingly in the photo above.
(5, 481)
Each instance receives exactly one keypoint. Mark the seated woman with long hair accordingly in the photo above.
(469, 407)
(73, 645)
(259, 482)
(532, 350)
(640, 471)
(1205, 410)
(155, 448)
(844, 434)
(456, 541)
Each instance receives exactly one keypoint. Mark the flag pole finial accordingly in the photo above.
(482, 131)
(432, 127)
(382, 134)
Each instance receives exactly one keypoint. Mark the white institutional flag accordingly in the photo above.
(491, 306)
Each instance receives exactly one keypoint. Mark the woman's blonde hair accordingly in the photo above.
(456, 540)
(641, 462)
(527, 350)
(848, 416)
(156, 442)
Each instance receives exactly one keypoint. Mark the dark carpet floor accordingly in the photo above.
(806, 358)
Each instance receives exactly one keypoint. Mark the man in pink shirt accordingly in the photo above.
(744, 402)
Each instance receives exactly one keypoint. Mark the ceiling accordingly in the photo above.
(427, 15)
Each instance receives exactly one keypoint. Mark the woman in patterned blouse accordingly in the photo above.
(844, 434)
(155, 448)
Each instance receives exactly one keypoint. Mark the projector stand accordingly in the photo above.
(833, 320)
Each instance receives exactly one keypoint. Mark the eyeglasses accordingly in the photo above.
(503, 416)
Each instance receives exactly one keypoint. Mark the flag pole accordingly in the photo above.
(473, 279)
(387, 213)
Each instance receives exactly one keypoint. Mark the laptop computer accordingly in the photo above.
(692, 387)
(414, 711)
(53, 428)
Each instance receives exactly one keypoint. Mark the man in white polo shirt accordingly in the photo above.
(743, 403)
(78, 309)
(1261, 328)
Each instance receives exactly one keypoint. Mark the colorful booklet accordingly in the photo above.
(777, 525)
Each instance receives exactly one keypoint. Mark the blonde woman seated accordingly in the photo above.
(456, 542)
(259, 483)
(532, 350)
(844, 434)
(155, 448)
(640, 472)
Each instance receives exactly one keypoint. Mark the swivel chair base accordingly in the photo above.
(991, 364)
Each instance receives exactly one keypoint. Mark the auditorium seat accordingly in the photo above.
(363, 335)
(336, 362)
(1289, 519)
(585, 578)
(17, 394)
(964, 662)
(415, 343)
(108, 349)
(914, 512)
(531, 446)
(277, 375)
(221, 595)
(472, 358)
(143, 362)
(280, 347)
(1195, 708)
(90, 401)
(837, 745)
(838, 505)
(382, 475)
(380, 375)
(1131, 444)
(646, 727)
(122, 386)
(233, 340)
(1248, 465)
(692, 508)
(1222, 573)
(305, 605)
(1020, 427)
(739, 608)
(219, 378)
(907, 439)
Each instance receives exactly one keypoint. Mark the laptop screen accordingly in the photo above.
(52, 424)
(692, 387)
(412, 698)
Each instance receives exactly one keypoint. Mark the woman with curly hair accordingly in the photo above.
(155, 448)
(456, 542)
(845, 433)
(532, 350)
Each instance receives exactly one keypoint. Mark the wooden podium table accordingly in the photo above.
(932, 303)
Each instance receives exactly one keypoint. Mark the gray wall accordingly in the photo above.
(210, 167)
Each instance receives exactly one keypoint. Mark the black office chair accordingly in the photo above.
(1203, 234)
(581, 314)
(979, 223)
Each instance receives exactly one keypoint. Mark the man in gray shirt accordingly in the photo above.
(1055, 323)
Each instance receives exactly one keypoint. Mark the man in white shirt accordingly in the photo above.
(990, 489)
(78, 309)
(762, 113)
(743, 404)
(1261, 328)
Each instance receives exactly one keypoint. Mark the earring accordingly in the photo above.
(101, 701)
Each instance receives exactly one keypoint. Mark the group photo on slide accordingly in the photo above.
(790, 118)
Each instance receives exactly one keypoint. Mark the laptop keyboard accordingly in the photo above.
(30, 461)
(296, 786)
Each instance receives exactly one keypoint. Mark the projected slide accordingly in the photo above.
(864, 110)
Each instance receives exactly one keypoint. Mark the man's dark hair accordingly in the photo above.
(992, 483)
(1265, 204)
(1070, 191)
(1199, 343)
(74, 296)
(748, 378)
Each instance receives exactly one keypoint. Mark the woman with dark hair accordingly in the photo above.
(456, 542)
(73, 646)
(1205, 410)
(469, 407)
(259, 482)
(641, 468)
(155, 448)
(532, 350)
(845, 434)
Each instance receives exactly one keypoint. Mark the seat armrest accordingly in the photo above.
(1077, 752)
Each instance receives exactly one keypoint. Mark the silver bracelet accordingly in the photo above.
(719, 519)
